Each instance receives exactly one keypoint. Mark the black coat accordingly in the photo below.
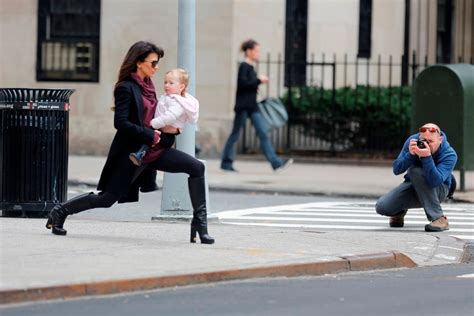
(247, 87)
(119, 172)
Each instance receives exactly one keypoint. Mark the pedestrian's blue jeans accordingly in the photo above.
(228, 155)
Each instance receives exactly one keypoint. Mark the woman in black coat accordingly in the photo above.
(135, 103)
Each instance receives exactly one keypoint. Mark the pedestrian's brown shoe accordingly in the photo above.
(438, 225)
(398, 220)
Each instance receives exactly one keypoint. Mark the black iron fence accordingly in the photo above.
(347, 107)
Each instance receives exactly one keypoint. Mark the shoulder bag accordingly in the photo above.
(274, 112)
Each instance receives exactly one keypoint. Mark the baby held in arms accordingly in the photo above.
(175, 108)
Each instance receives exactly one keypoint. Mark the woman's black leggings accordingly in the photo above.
(171, 160)
(176, 161)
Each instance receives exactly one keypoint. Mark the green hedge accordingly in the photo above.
(362, 117)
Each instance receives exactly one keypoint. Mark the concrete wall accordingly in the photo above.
(464, 38)
(214, 63)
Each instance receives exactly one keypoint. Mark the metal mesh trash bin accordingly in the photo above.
(34, 150)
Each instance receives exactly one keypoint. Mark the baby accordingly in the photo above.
(175, 108)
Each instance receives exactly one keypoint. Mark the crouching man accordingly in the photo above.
(429, 161)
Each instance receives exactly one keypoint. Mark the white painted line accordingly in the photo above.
(468, 216)
(300, 219)
(329, 213)
(335, 207)
(467, 276)
(267, 209)
(310, 226)
(362, 227)
(423, 248)
(443, 256)
(330, 210)
(465, 237)
(309, 212)
(453, 248)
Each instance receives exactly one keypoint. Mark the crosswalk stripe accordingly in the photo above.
(354, 210)
(337, 215)
(466, 237)
(423, 216)
(351, 220)
(348, 227)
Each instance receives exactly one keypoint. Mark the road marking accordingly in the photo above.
(467, 276)
(340, 215)
(351, 220)
(447, 247)
(463, 237)
(443, 256)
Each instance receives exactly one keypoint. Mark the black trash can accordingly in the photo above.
(34, 150)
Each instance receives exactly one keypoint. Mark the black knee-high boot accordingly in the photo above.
(58, 214)
(197, 192)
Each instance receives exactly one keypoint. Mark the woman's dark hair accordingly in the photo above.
(248, 44)
(138, 52)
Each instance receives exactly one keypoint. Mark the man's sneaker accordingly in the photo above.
(284, 165)
(398, 220)
(228, 169)
(438, 225)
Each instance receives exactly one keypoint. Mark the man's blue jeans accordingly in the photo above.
(412, 194)
(228, 155)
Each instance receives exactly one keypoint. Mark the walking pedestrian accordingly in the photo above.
(135, 102)
(246, 106)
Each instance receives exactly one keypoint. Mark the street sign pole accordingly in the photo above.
(175, 201)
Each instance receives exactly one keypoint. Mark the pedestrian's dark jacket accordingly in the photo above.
(119, 171)
(437, 168)
(247, 86)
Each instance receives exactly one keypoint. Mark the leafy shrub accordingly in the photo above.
(365, 117)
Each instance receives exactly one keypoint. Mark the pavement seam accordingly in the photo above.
(384, 260)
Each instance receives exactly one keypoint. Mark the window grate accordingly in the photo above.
(68, 40)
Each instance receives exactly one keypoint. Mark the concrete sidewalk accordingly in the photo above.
(99, 257)
(103, 257)
(301, 178)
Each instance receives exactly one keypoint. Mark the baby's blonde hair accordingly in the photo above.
(182, 76)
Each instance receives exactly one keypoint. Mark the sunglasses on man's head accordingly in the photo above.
(428, 129)
(154, 63)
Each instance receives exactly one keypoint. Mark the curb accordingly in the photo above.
(384, 260)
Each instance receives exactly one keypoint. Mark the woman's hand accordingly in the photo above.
(156, 138)
(170, 130)
(263, 79)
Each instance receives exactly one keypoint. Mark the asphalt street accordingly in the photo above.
(439, 290)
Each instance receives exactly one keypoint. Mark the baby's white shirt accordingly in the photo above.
(176, 111)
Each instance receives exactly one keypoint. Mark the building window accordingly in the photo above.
(444, 28)
(68, 40)
(296, 31)
(365, 29)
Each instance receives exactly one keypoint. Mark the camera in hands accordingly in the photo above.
(421, 143)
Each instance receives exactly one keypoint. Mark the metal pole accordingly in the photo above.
(175, 198)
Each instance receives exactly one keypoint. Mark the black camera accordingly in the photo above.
(421, 143)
